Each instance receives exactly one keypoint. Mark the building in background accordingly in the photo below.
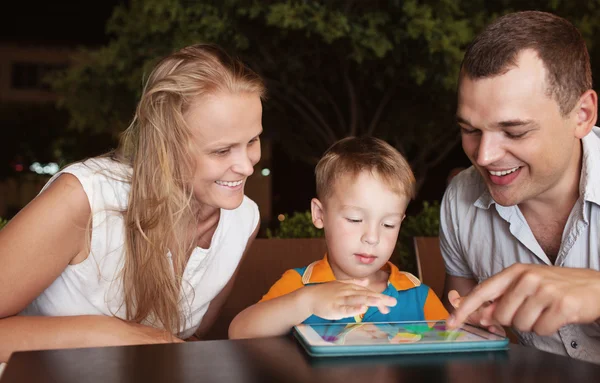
(23, 68)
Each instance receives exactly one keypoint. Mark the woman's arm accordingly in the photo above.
(20, 333)
(35, 247)
(40, 241)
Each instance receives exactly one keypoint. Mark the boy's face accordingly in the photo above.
(361, 218)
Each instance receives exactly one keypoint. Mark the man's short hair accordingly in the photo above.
(352, 155)
(558, 44)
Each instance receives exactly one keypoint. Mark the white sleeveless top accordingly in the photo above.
(93, 287)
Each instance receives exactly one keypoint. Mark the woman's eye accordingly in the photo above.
(387, 226)
(352, 220)
(222, 152)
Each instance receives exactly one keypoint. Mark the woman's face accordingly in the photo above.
(225, 129)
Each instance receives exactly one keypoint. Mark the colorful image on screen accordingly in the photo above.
(391, 333)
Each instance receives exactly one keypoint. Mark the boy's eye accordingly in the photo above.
(352, 220)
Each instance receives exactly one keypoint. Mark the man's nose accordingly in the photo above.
(490, 149)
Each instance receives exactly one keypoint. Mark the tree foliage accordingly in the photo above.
(333, 68)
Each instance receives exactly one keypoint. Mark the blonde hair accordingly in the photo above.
(353, 155)
(161, 213)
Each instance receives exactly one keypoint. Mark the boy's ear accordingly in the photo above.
(316, 211)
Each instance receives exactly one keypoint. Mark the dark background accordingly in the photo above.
(83, 24)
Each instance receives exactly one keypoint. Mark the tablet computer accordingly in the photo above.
(386, 338)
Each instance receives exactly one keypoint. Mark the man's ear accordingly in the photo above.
(316, 210)
(586, 113)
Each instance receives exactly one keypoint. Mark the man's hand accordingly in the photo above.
(342, 299)
(482, 317)
(534, 298)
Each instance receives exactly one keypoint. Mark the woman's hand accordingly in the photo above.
(120, 332)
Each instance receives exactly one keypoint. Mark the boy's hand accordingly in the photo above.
(482, 317)
(342, 299)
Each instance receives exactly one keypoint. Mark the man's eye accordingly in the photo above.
(515, 135)
(255, 139)
(468, 131)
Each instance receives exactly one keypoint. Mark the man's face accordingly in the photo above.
(514, 134)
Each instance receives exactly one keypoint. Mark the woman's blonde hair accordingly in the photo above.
(161, 213)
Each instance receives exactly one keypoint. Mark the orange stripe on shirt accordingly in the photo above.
(433, 308)
(289, 282)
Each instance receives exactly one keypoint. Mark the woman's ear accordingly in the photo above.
(317, 213)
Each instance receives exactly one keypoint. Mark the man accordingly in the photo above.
(524, 220)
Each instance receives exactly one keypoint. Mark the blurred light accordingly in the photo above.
(50, 168)
(19, 167)
(265, 172)
(281, 217)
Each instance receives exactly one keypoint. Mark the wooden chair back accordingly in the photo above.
(430, 264)
(266, 261)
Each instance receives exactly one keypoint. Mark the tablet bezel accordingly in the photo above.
(316, 346)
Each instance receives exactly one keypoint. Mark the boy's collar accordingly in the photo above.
(320, 272)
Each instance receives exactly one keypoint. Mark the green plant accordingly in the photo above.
(424, 224)
(299, 225)
(3, 222)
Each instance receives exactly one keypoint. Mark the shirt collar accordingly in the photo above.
(320, 272)
(589, 183)
(589, 180)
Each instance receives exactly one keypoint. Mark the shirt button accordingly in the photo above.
(574, 344)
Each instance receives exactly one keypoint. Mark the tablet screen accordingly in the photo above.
(391, 333)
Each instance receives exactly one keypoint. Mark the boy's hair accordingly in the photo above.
(352, 155)
(558, 44)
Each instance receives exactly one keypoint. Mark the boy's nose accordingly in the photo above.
(370, 238)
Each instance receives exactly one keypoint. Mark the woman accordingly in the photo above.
(140, 245)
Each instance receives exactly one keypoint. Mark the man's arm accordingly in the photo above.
(536, 298)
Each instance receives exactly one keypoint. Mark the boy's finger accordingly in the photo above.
(359, 282)
(383, 309)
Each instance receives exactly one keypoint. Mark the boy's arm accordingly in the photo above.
(273, 317)
(277, 312)
(433, 307)
(330, 300)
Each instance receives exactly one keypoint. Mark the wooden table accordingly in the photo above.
(282, 360)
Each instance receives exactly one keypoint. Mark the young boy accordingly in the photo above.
(363, 187)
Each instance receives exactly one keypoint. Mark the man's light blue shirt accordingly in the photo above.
(479, 238)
